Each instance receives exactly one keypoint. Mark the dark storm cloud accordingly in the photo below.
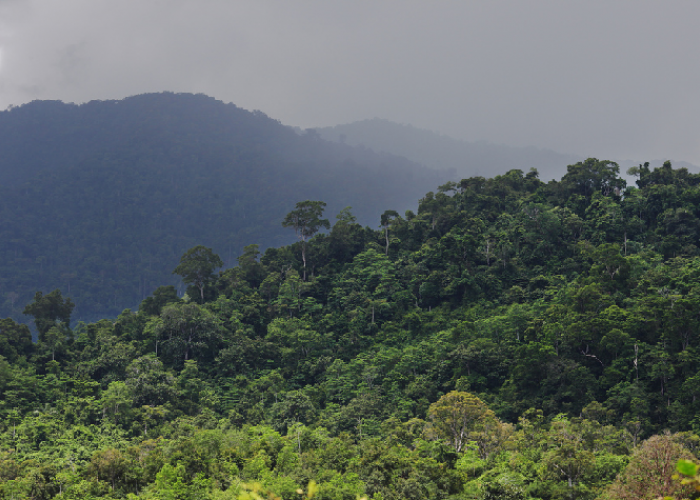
(615, 79)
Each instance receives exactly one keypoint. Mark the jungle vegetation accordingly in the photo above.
(101, 199)
(511, 339)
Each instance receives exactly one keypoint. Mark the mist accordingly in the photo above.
(615, 80)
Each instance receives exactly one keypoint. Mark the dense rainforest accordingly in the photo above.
(101, 199)
(511, 339)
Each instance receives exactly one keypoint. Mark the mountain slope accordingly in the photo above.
(102, 199)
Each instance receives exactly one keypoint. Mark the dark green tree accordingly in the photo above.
(197, 267)
(49, 310)
(306, 221)
(187, 329)
(385, 221)
(153, 305)
(15, 340)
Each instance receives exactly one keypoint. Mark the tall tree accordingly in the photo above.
(188, 328)
(49, 310)
(456, 415)
(197, 267)
(650, 472)
(386, 219)
(306, 221)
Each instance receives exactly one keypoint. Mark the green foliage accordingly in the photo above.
(306, 221)
(687, 468)
(514, 340)
(101, 199)
(457, 415)
(197, 267)
(15, 340)
(650, 471)
(49, 311)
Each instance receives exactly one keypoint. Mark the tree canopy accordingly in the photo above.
(517, 339)
(197, 267)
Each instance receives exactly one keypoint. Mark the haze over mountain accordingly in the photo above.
(577, 77)
(466, 159)
(102, 199)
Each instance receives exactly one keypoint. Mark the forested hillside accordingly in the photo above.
(101, 199)
(511, 339)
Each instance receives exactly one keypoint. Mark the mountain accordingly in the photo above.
(102, 199)
(466, 159)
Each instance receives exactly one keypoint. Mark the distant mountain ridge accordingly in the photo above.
(461, 158)
(102, 199)
(466, 159)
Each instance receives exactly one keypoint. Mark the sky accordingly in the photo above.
(611, 79)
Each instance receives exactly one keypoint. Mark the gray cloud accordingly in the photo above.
(614, 79)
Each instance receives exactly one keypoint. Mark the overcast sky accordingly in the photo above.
(611, 79)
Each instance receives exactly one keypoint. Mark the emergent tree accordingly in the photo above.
(306, 221)
(197, 267)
